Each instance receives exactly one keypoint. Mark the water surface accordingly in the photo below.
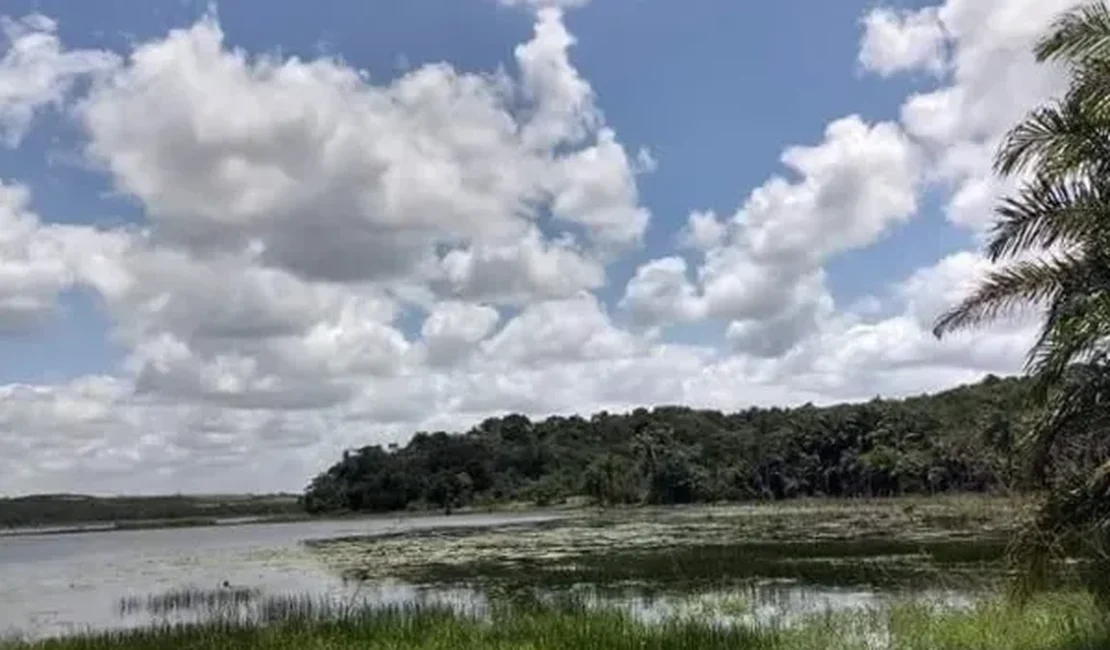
(730, 564)
(63, 583)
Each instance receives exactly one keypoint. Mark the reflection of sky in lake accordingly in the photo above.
(57, 584)
(53, 584)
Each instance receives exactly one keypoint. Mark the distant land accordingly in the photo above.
(66, 510)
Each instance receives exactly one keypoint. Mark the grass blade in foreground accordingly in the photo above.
(1054, 622)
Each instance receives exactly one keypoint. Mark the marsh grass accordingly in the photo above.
(1061, 621)
(184, 600)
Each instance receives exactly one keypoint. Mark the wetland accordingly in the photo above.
(777, 564)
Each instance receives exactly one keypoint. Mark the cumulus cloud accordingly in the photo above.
(993, 81)
(35, 72)
(329, 261)
(520, 271)
(294, 210)
(38, 262)
(559, 331)
(452, 331)
(703, 231)
(896, 41)
(899, 353)
(229, 151)
(661, 292)
(762, 269)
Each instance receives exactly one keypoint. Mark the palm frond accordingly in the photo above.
(1080, 403)
(1048, 212)
(1090, 88)
(1079, 34)
(1056, 140)
(1004, 290)
(1076, 330)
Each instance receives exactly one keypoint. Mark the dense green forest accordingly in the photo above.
(67, 509)
(959, 440)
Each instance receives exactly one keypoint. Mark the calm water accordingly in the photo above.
(62, 584)
(58, 584)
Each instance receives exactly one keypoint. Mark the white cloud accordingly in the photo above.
(858, 183)
(661, 292)
(452, 331)
(228, 151)
(762, 271)
(520, 271)
(561, 102)
(38, 262)
(704, 231)
(560, 331)
(35, 71)
(899, 353)
(897, 41)
(300, 215)
(596, 188)
(993, 82)
(91, 435)
(32, 271)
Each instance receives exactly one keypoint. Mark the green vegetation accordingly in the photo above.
(952, 542)
(1055, 622)
(1051, 241)
(959, 440)
(144, 512)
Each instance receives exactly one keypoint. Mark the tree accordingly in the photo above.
(678, 455)
(1052, 240)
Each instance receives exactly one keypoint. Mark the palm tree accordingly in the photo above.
(1051, 242)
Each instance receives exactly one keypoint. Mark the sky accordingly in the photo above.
(238, 238)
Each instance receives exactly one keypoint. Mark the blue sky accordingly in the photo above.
(714, 90)
(820, 290)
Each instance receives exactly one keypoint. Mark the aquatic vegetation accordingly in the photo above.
(182, 600)
(877, 543)
(756, 565)
(1070, 621)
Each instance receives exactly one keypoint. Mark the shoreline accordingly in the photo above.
(509, 507)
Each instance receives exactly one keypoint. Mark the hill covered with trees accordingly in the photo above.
(959, 440)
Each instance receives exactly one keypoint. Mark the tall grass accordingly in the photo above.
(183, 600)
(1064, 621)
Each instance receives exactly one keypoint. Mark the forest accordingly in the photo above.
(963, 439)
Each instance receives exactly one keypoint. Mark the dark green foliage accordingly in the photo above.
(959, 440)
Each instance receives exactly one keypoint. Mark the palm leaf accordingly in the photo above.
(1078, 405)
(1090, 88)
(1005, 290)
(1047, 213)
(1077, 35)
(1056, 140)
(1075, 330)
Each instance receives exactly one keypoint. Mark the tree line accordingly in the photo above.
(68, 509)
(958, 440)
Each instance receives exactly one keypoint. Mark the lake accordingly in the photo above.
(64, 583)
(732, 563)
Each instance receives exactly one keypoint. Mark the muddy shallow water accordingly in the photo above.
(734, 563)
(57, 584)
